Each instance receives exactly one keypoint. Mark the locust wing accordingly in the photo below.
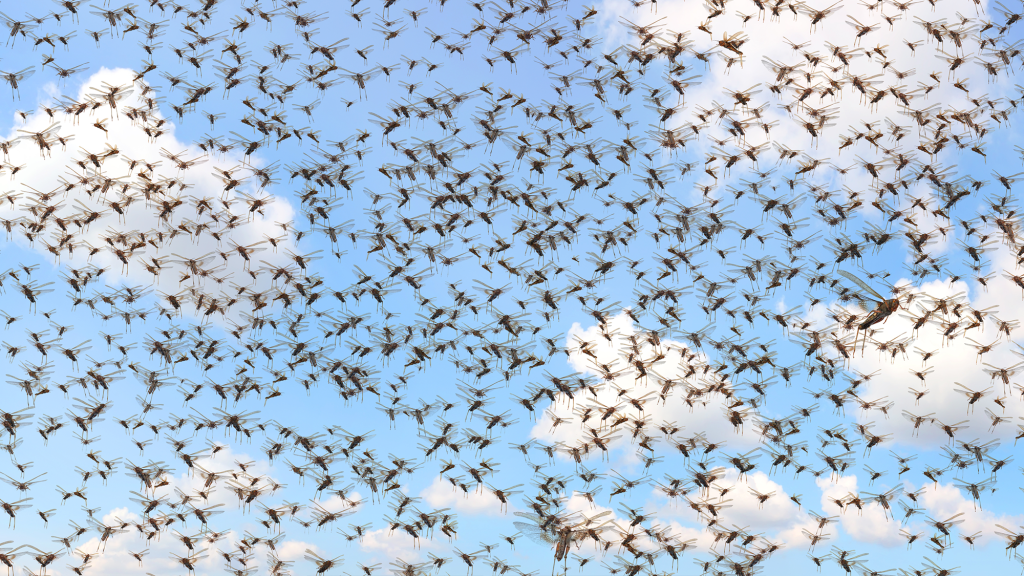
(864, 286)
(535, 533)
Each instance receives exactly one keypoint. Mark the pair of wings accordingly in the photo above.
(536, 534)
(552, 535)
(863, 285)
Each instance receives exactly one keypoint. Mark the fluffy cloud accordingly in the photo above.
(293, 550)
(696, 415)
(441, 494)
(122, 514)
(846, 108)
(867, 525)
(384, 545)
(191, 483)
(59, 167)
(777, 513)
(954, 360)
(944, 501)
(160, 558)
(777, 519)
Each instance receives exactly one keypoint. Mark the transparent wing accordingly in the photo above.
(535, 533)
(862, 284)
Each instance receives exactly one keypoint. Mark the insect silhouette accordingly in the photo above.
(540, 240)
(561, 533)
(883, 307)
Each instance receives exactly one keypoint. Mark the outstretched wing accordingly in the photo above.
(864, 286)
(535, 533)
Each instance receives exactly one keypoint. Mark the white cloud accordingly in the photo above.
(579, 503)
(294, 550)
(954, 360)
(59, 166)
(441, 494)
(221, 493)
(778, 512)
(946, 500)
(116, 561)
(122, 514)
(384, 545)
(702, 414)
(778, 519)
(867, 525)
(845, 109)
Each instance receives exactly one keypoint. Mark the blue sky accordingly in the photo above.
(485, 238)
